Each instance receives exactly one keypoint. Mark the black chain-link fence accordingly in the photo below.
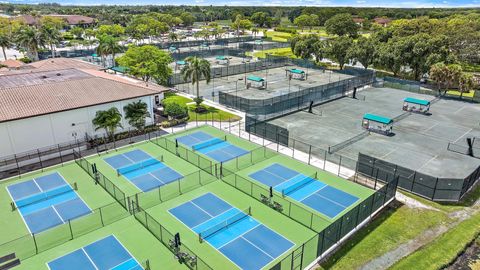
(433, 188)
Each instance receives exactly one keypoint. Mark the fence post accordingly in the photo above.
(60, 153)
(70, 227)
(40, 158)
(435, 189)
(309, 153)
(101, 216)
(339, 165)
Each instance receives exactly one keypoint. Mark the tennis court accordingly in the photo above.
(46, 201)
(213, 147)
(323, 198)
(242, 239)
(106, 253)
(143, 170)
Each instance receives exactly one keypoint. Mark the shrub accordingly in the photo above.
(175, 110)
(286, 30)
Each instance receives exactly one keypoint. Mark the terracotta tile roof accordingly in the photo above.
(382, 20)
(358, 20)
(35, 97)
(10, 63)
(54, 64)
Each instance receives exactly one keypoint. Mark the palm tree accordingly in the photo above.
(31, 39)
(108, 120)
(465, 83)
(51, 36)
(437, 74)
(5, 43)
(173, 36)
(135, 113)
(195, 69)
(108, 45)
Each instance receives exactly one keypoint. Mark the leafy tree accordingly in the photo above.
(109, 120)
(342, 25)
(147, 62)
(307, 46)
(187, 18)
(259, 18)
(363, 51)
(466, 82)
(52, 22)
(194, 70)
(438, 73)
(241, 24)
(175, 110)
(388, 57)
(172, 36)
(303, 21)
(30, 39)
(136, 113)
(114, 30)
(338, 50)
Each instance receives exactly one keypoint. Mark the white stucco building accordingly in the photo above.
(40, 107)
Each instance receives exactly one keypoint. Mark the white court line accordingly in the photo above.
(463, 135)
(201, 208)
(213, 217)
(54, 209)
(240, 236)
(337, 203)
(21, 215)
(126, 249)
(308, 195)
(90, 259)
(263, 251)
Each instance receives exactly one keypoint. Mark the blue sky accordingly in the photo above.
(356, 3)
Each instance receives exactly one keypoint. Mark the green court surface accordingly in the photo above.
(169, 159)
(141, 244)
(11, 222)
(277, 222)
(330, 179)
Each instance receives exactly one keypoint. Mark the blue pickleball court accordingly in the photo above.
(104, 254)
(47, 201)
(213, 147)
(323, 198)
(242, 239)
(143, 170)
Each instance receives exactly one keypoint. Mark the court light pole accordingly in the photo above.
(236, 91)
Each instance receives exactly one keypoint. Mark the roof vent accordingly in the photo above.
(59, 74)
(43, 77)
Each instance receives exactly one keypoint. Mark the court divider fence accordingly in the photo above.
(182, 253)
(102, 180)
(35, 243)
(297, 100)
(432, 188)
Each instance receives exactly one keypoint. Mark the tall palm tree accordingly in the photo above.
(31, 39)
(135, 113)
(108, 120)
(108, 45)
(5, 42)
(195, 69)
(51, 36)
(465, 83)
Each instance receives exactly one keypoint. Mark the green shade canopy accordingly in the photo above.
(377, 118)
(95, 55)
(221, 57)
(172, 48)
(120, 69)
(205, 45)
(417, 101)
(255, 78)
(297, 71)
(181, 62)
(258, 41)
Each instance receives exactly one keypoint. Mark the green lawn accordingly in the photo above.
(470, 93)
(279, 36)
(392, 228)
(443, 250)
(211, 112)
(277, 52)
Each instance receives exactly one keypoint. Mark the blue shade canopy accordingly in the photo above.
(378, 118)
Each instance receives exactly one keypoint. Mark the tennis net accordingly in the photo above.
(208, 143)
(43, 196)
(139, 165)
(224, 224)
(298, 184)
